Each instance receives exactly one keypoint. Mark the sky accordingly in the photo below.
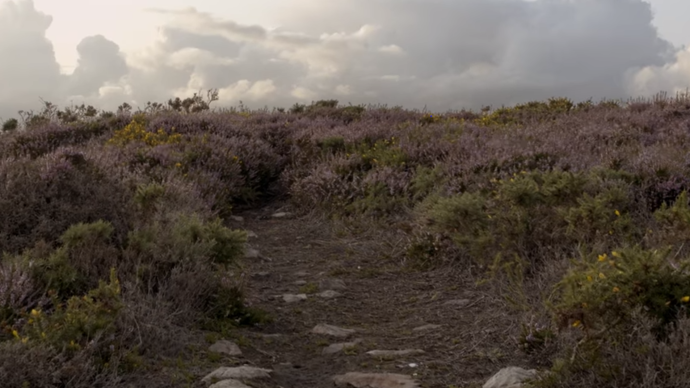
(439, 54)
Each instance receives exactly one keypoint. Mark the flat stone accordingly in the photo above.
(426, 327)
(237, 218)
(251, 234)
(510, 377)
(394, 353)
(226, 347)
(292, 298)
(332, 284)
(329, 294)
(332, 330)
(240, 372)
(300, 282)
(281, 215)
(301, 274)
(335, 348)
(374, 380)
(251, 253)
(457, 302)
(230, 383)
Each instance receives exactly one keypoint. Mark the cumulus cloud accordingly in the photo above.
(100, 61)
(28, 69)
(443, 54)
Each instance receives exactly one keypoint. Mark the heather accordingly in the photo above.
(114, 225)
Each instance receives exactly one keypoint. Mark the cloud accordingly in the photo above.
(28, 69)
(100, 61)
(673, 77)
(444, 54)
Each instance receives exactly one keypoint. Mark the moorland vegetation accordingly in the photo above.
(115, 248)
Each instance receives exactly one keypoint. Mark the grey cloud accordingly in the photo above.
(445, 54)
(28, 69)
(99, 62)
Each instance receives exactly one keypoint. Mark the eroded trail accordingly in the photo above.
(442, 331)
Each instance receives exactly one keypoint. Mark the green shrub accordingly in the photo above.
(83, 319)
(425, 181)
(332, 145)
(147, 197)
(601, 291)
(674, 221)
(10, 125)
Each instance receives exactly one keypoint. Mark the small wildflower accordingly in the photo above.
(577, 323)
(616, 289)
(589, 278)
(602, 276)
(618, 213)
(15, 334)
(603, 257)
(615, 254)
(35, 313)
(685, 299)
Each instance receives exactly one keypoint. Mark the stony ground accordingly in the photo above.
(305, 274)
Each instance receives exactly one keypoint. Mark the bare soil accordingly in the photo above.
(383, 301)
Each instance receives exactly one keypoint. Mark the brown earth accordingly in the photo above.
(382, 300)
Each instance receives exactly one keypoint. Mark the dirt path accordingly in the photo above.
(378, 298)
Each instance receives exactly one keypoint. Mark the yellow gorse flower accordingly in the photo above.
(618, 213)
(577, 323)
(685, 299)
(615, 254)
(603, 257)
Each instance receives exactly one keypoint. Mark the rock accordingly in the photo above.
(374, 380)
(252, 253)
(291, 298)
(240, 372)
(329, 294)
(332, 284)
(231, 383)
(281, 215)
(332, 330)
(426, 327)
(300, 282)
(457, 302)
(261, 275)
(335, 348)
(226, 347)
(251, 234)
(394, 353)
(301, 274)
(510, 377)
(237, 218)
